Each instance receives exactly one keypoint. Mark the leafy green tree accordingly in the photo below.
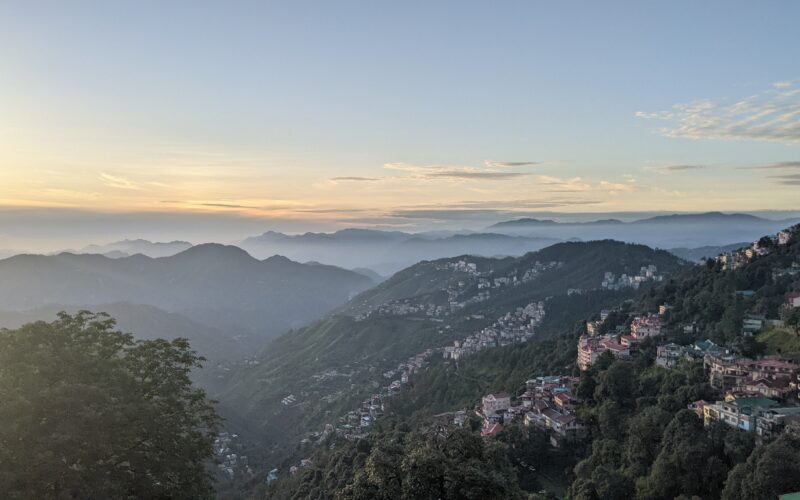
(611, 484)
(686, 463)
(617, 384)
(424, 473)
(791, 317)
(586, 387)
(88, 412)
(771, 470)
(644, 438)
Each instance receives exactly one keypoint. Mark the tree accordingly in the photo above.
(644, 438)
(771, 470)
(791, 317)
(424, 471)
(88, 412)
(686, 463)
(586, 387)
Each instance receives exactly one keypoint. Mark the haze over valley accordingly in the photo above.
(353, 250)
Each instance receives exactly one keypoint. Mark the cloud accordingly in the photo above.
(783, 172)
(559, 185)
(332, 210)
(474, 210)
(772, 115)
(675, 168)
(224, 205)
(489, 172)
(505, 164)
(680, 168)
(354, 178)
(615, 187)
(778, 165)
(119, 182)
(787, 180)
(467, 174)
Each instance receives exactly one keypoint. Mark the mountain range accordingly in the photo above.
(389, 251)
(663, 231)
(380, 253)
(333, 363)
(127, 248)
(221, 287)
(386, 252)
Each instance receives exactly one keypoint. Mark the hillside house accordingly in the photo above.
(668, 355)
(590, 348)
(725, 371)
(495, 405)
(646, 326)
(740, 413)
(793, 299)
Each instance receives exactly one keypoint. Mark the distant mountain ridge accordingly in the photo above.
(128, 247)
(220, 286)
(706, 252)
(710, 229)
(388, 251)
(700, 218)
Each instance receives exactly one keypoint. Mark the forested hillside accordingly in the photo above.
(309, 378)
(640, 439)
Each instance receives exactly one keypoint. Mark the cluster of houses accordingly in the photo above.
(455, 292)
(668, 355)
(757, 392)
(592, 345)
(456, 304)
(547, 403)
(513, 278)
(738, 258)
(355, 424)
(765, 417)
(294, 469)
(737, 375)
(538, 268)
(230, 463)
(405, 307)
(408, 368)
(512, 328)
(460, 266)
(647, 273)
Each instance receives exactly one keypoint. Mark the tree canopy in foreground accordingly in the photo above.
(88, 412)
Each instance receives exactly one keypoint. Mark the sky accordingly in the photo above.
(224, 118)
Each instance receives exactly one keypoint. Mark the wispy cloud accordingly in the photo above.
(470, 174)
(616, 187)
(787, 179)
(119, 182)
(354, 179)
(224, 205)
(781, 172)
(772, 115)
(561, 185)
(681, 168)
(492, 171)
(482, 210)
(506, 164)
(676, 168)
(778, 165)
